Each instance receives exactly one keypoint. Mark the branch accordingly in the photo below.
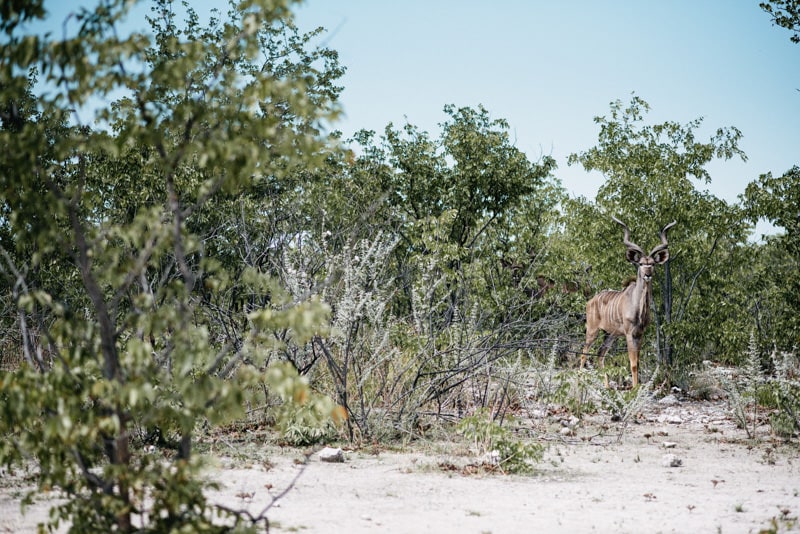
(92, 479)
(702, 269)
(91, 285)
(481, 230)
(27, 344)
(262, 516)
(137, 271)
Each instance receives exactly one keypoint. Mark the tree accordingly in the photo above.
(113, 239)
(473, 171)
(649, 171)
(449, 193)
(786, 14)
(777, 199)
(404, 242)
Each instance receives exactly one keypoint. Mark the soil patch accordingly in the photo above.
(598, 480)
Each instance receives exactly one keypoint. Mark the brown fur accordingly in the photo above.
(628, 281)
(627, 312)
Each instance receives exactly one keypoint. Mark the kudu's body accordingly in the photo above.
(627, 312)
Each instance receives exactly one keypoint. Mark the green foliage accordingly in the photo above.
(457, 202)
(304, 417)
(626, 405)
(585, 391)
(753, 389)
(512, 454)
(786, 14)
(199, 239)
(777, 288)
(120, 249)
(648, 171)
(473, 171)
(576, 392)
(743, 391)
(785, 388)
(412, 267)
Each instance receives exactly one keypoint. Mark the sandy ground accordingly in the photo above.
(595, 481)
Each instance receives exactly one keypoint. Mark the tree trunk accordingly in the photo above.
(666, 354)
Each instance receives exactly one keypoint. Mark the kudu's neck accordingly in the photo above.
(639, 294)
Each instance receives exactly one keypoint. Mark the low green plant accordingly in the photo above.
(584, 391)
(786, 390)
(782, 523)
(511, 453)
(702, 382)
(627, 404)
(569, 389)
(743, 392)
(754, 389)
(304, 417)
(556, 387)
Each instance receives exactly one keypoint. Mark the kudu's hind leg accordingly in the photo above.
(591, 336)
(601, 356)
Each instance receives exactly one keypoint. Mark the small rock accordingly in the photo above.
(669, 400)
(671, 419)
(567, 431)
(332, 455)
(669, 444)
(670, 460)
(573, 421)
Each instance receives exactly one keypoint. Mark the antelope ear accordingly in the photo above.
(661, 256)
(633, 256)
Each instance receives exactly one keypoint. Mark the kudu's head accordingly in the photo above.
(635, 255)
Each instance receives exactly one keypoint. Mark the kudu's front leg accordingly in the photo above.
(634, 343)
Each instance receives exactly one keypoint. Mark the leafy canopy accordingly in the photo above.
(109, 237)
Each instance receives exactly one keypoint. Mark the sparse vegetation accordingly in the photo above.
(752, 392)
(785, 387)
(497, 446)
(743, 388)
(201, 258)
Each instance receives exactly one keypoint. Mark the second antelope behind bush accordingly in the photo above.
(627, 312)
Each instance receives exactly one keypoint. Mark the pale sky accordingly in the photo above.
(549, 67)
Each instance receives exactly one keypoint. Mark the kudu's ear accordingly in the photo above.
(661, 256)
(633, 255)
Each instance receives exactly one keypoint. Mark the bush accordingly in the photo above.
(786, 388)
(511, 454)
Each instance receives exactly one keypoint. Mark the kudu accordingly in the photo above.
(627, 312)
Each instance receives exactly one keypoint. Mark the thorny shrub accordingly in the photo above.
(752, 390)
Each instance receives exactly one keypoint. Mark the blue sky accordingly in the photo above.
(550, 67)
